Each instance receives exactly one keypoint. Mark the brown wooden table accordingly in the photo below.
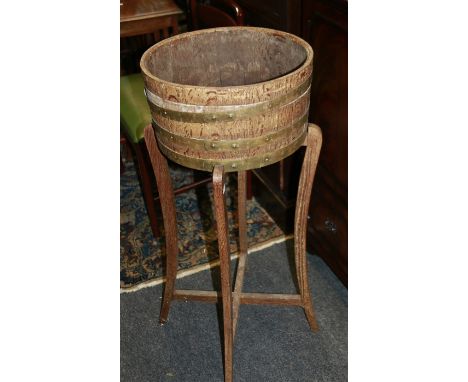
(138, 17)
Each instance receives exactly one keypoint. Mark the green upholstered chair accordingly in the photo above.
(134, 117)
(134, 111)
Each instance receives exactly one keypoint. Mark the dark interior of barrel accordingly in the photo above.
(226, 58)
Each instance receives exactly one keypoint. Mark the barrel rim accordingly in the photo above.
(302, 42)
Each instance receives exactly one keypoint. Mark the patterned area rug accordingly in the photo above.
(142, 257)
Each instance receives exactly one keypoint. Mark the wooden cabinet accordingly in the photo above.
(325, 28)
(322, 23)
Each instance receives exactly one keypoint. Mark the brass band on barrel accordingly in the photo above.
(228, 145)
(240, 164)
(237, 111)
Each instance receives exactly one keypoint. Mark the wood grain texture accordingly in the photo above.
(314, 143)
(138, 17)
(166, 194)
(234, 66)
(245, 297)
(243, 245)
(221, 123)
(243, 84)
(271, 299)
(242, 212)
(143, 9)
(225, 265)
(197, 295)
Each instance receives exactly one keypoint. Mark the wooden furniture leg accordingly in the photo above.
(166, 195)
(230, 300)
(313, 143)
(242, 183)
(147, 187)
(225, 266)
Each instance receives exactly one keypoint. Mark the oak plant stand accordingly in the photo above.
(231, 116)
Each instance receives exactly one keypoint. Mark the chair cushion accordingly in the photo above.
(134, 111)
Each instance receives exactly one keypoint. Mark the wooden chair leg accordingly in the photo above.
(147, 188)
(166, 194)
(314, 143)
(223, 244)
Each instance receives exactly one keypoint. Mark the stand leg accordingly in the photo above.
(242, 186)
(166, 194)
(223, 244)
(242, 177)
(314, 143)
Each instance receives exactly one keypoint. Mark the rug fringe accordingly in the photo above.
(203, 267)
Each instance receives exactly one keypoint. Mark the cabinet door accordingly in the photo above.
(325, 28)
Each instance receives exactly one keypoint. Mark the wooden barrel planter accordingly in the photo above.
(237, 96)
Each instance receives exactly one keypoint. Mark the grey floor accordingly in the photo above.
(272, 343)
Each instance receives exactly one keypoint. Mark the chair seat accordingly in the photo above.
(135, 114)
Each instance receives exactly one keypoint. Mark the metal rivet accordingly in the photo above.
(231, 115)
(235, 145)
(267, 139)
(213, 145)
(267, 159)
(165, 112)
(234, 165)
(172, 137)
(213, 117)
